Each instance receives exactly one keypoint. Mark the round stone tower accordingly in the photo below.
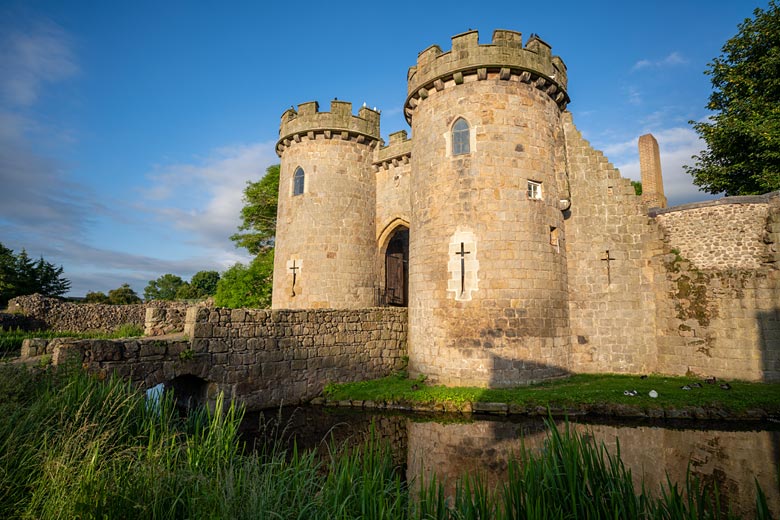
(487, 263)
(325, 251)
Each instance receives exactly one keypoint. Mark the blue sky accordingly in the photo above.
(129, 129)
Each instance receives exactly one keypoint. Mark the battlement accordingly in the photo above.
(339, 123)
(505, 58)
(399, 150)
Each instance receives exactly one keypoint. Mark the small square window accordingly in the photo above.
(535, 190)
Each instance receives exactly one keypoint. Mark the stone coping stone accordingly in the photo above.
(595, 410)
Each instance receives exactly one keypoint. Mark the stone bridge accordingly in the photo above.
(262, 358)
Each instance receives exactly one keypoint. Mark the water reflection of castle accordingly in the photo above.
(732, 459)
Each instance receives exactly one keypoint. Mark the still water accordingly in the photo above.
(732, 455)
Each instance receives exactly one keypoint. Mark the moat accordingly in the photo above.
(733, 455)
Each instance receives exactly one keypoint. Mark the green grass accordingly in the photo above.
(11, 340)
(581, 390)
(72, 446)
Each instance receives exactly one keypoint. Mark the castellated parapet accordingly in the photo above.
(521, 252)
(325, 254)
(505, 57)
(308, 122)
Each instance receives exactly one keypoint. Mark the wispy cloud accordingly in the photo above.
(203, 199)
(672, 59)
(29, 59)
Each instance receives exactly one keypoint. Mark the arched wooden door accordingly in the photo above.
(397, 268)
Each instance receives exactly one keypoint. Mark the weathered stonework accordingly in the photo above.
(261, 358)
(528, 255)
(36, 312)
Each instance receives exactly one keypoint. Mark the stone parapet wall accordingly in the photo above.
(730, 233)
(77, 317)
(286, 356)
(36, 312)
(259, 357)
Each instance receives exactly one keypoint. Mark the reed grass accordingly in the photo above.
(75, 447)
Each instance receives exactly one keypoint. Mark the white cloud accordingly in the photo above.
(42, 54)
(672, 59)
(203, 200)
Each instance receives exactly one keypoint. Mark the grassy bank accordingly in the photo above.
(75, 447)
(579, 391)
(11, 340)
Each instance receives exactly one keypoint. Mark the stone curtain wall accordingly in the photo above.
(268, 358)
(729, 233)
(77, 317)
(259, 357)
(720, 309)
(611, 302)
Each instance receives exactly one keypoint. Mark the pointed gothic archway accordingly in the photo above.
(397, 268)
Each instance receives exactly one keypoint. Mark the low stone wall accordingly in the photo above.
(262, 358)
(37, 312)
(77, 317)
(278, 357)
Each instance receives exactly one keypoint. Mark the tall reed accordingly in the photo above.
(75, 447)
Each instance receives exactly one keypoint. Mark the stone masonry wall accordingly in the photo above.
(286, 357)
(261, 358)
(719, 311)
(39, 312)
(610, 243)
(730, 233)
(77, 317)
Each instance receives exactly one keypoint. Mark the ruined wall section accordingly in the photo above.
(611, 302)
(719, 308)
(325, 247)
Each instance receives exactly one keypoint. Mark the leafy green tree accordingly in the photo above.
(21, 275)
(163, 288)
(123, 295)
(743, 137)
(205, 283)
(187, 292)
(96, 297)
(258, 216)
(247, 286)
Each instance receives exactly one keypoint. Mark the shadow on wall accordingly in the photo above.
(769, 330)
(189, 391)
(511, 372)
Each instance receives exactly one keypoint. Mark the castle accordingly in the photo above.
(519, 250)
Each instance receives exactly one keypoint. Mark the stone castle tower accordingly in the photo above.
(519, 250)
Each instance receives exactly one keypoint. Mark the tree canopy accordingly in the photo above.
(123, 295)
(21, 275)
(258, 216)
(163, 288)
(247, 286)
(743, 136)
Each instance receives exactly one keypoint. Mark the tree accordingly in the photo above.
(743, 137)
(258, 216)
(96, 297)
(21, 275)
(163, 288)
(123, 295)
(247, 286)
(204, 283)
